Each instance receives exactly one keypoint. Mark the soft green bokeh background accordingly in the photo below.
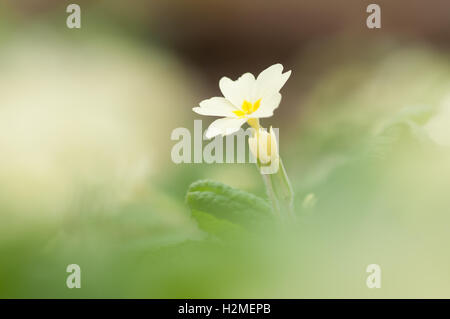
(86, 175)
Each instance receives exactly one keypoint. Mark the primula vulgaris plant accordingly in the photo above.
(246, 100)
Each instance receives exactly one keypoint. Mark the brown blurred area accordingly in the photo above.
(219, 36)
(228, 37)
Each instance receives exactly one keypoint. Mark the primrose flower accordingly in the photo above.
(245, 100)
(263, 146)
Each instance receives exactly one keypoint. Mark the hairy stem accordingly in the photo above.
(271, 194)
(280, 193)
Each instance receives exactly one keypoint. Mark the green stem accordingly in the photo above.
(271, 194)
(280, 192)
(289, 190)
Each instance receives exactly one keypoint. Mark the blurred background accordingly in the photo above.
(86, 175)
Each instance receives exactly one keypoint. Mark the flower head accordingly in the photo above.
(245, 100)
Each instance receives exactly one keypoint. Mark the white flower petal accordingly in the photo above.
(238, 91)
(270, 81)
(215, 106)
(267, 106)
(224, 126)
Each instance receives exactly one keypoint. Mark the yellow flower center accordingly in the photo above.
(247, 108)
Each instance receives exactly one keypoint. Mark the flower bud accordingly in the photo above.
(263, 146)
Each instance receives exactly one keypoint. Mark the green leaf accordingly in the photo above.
(220, 228)
(227, 203)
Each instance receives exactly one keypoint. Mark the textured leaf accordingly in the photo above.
(225, 202)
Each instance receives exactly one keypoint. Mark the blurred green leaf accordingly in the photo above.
(403, 129)
(220, 228)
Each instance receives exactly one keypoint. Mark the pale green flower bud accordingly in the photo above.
(263, 146)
